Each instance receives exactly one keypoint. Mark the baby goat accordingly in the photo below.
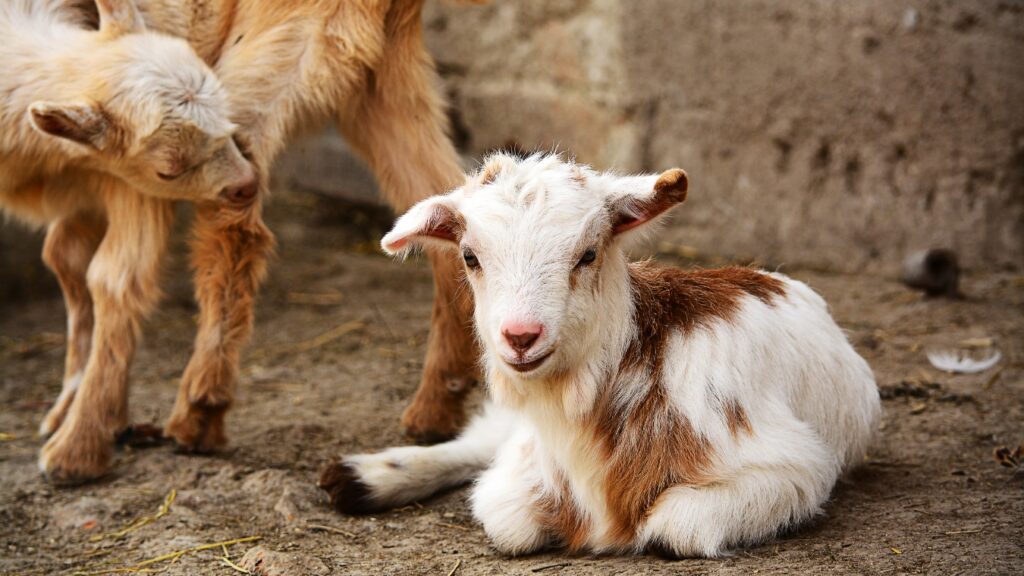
(121, 101)
(81, 113)
(635, 407)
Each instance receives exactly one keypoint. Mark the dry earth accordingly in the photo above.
(931, 499)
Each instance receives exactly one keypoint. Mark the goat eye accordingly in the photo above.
(588, 257)
(471, 259)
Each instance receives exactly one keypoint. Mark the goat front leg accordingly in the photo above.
(450, 370)
(361, 483)
(398, 126)
(230, 247)
(69, 248)
(123, 283)
(505, 498)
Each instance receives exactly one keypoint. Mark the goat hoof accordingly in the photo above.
(198, 429)
(349, 494)
(428, 429)
(439, 419)
(69, 459)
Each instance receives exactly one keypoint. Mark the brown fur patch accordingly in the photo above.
(736, 419)
(490, 172)
(561, 518)
(670, 298)
(649, 447)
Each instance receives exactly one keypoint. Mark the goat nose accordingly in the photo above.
(242, 193)
(521, 335)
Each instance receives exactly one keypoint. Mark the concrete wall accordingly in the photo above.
(823, 133)
(828, 133)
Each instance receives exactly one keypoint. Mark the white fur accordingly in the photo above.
(810, 400)
(406, 474)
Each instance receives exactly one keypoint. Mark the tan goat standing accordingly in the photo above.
(85, 112)
(292, 65)
(286, 66)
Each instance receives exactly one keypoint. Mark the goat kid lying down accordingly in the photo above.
(634, 407)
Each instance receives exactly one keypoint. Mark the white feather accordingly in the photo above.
(957, 362)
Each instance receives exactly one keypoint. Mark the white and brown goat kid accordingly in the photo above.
(82, 113)
(635, 407)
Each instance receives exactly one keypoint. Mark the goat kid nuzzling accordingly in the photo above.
(122, 101)
(634, 407)
(83, 112)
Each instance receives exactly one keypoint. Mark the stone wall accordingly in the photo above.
(822, 133)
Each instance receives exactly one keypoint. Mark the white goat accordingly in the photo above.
(635, 407)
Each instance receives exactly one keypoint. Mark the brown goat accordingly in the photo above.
(287, 66)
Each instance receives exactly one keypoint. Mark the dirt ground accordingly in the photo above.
(930, 500)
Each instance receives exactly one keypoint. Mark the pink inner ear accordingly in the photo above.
(441, 230)
(625, 224)
(669, 190)
(441, 233)
(398, 244)
(441, 226)
(649, 211)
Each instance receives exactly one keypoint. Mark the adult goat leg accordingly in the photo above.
(399, 128)
(230, 247)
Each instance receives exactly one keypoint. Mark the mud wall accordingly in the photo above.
(822, 133)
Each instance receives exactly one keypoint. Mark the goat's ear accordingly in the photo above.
(637, 200)
(118, 17)
(434, 221)
(82, 123)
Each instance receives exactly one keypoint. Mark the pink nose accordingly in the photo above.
(521, 335)
(241, 194)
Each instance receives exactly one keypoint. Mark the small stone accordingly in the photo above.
(910, 19)
(86, 513)
(263, 562)
(297, 500)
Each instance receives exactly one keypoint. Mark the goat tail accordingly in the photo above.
(363, 483)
